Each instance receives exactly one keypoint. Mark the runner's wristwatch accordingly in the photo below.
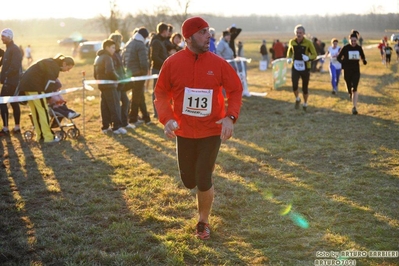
(232, 117)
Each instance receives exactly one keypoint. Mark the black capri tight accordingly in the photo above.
(196, 160)
(304, 75)
(351, 77)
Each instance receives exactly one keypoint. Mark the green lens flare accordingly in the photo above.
(299, 220)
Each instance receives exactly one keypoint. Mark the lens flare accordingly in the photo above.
(299, 220)
(286, 210)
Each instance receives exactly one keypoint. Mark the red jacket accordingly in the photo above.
(203, 71)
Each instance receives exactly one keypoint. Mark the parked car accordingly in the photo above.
(89, 49)
(395, 37)
(70, 41)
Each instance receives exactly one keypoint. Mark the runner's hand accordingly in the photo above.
(227, 128)
(170, 128)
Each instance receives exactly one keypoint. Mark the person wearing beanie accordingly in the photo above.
(191, 106)
(10, 72)
(349, 57)
(136, 64)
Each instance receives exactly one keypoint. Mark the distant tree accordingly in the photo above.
(126, 23)
(111, 23)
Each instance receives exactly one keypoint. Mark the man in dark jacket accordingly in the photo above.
(158, 54)
(110, 107)
(136, 63)
(9, 77)
(122, 87)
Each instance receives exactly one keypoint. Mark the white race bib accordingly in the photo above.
(299, 65)
(354, 55)
(197, 102)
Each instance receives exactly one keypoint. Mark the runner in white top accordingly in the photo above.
(335, 66)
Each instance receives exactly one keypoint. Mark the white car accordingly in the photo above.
(89, 49)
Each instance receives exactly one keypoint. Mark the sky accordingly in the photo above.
(22, 9)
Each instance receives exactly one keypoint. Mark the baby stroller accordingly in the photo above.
(56, 121)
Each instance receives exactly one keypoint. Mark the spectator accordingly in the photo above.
(344, 41)
(240, 49)
(175, 39)
(120, 70)
(137, 65)
(234, 32)
(223, 48)
(158, 54)
(212, 42)
(278, 48)
(263, 51)
(41, 78)
(110, 99)
(28, 54)
(10, 72)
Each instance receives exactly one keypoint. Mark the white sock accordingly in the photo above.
(298, 98)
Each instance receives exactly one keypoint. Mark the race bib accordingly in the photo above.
(197, 102)
(354, 55)
(299, 65)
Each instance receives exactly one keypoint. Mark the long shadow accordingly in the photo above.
(299, 175)
(165, 164)
(48, 190)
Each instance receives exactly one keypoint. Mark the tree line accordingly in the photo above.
(251, 23)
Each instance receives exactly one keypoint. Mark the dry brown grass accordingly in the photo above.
(118, 200)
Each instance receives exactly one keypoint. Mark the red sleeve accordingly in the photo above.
(233, 87)
(163, 96)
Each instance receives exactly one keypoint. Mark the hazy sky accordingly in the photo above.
(17, 9)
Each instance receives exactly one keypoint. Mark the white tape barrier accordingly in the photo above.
(13, 99)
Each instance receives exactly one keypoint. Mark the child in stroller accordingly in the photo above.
(58, 110)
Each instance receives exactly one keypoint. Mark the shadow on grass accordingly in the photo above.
(338, 182)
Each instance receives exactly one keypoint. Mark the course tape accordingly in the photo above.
(13, 99)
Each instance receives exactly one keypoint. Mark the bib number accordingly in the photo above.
(299, 65)
(354, 55)
(197, 102)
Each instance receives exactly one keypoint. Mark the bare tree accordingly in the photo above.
(125, 24)
(111, 23)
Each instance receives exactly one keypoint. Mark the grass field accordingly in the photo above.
(291, 186)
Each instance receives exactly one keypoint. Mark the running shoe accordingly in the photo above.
(203, 231)
(354, 111)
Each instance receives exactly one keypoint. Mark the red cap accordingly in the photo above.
(192, 25)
